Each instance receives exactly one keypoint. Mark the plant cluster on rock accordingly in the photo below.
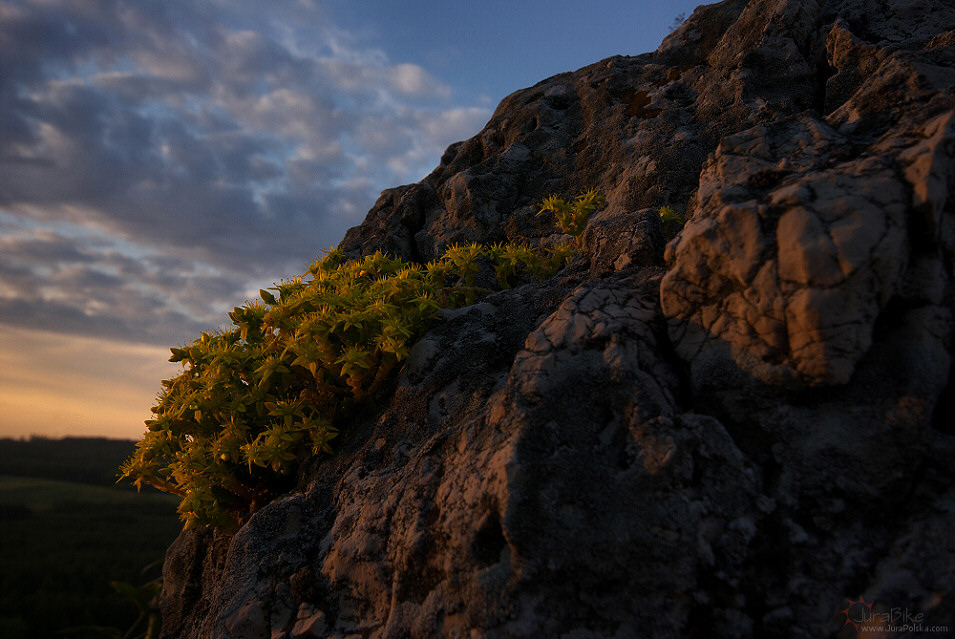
(255, 401)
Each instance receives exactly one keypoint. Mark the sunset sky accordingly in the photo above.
(163, 160)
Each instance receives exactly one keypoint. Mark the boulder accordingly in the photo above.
(744, 432)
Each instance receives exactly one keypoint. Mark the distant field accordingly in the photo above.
(46, 495)
(61, 542)
(91, 460)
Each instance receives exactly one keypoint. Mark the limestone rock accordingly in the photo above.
(736, 434)
(803, 231)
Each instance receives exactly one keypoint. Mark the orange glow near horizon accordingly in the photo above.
(55, 385)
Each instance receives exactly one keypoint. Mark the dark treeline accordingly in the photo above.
(87, 460)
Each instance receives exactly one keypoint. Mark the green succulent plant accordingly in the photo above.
(257, 399)
(572, 216)
(672, 221)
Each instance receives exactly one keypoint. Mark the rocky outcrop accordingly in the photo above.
(740, 433)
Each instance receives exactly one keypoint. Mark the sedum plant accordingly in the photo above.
(257, 399)
(672, 221)
(572, 216)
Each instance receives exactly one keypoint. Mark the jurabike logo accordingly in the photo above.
(861, 616)
(857, 612)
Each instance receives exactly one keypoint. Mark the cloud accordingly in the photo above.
(83, 284)
(161, 161)
(410, 79)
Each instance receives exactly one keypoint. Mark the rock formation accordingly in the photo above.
(740, 433)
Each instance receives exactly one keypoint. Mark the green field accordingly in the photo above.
(62, 542)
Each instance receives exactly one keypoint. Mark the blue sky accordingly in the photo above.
(160, 161)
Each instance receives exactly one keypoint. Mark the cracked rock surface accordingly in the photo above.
(734, 434)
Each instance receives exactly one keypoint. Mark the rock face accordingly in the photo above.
(737, 434)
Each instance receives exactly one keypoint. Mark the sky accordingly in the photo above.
(163, 160)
